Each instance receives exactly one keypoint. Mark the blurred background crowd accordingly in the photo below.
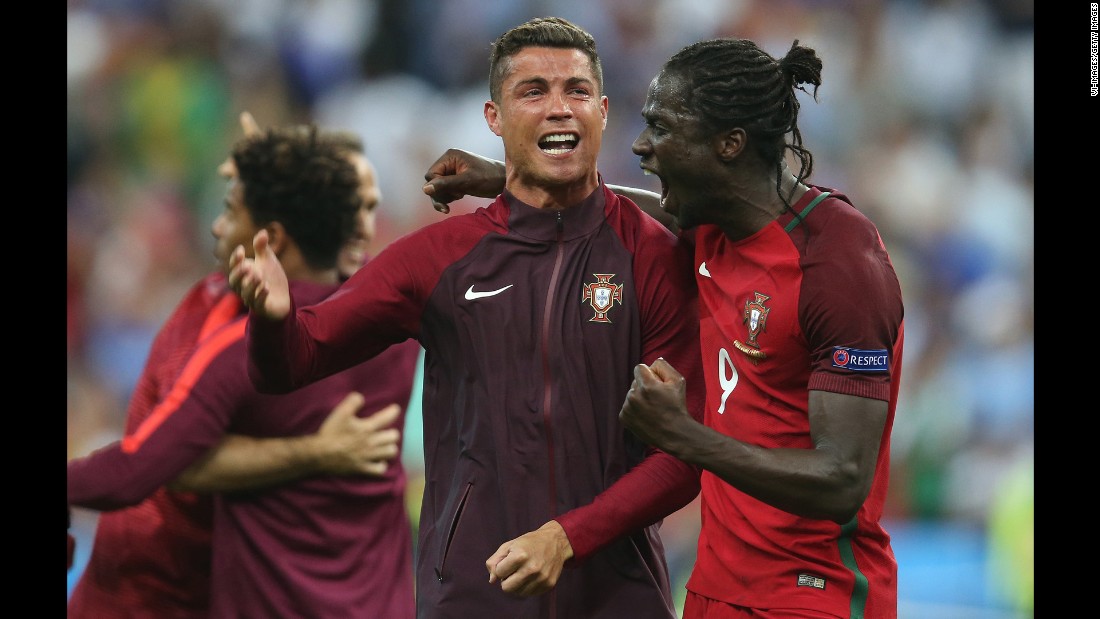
(925, 119)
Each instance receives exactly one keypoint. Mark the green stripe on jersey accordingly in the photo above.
(806, 211)
(848, 556)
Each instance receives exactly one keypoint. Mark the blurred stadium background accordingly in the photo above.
(925, 118)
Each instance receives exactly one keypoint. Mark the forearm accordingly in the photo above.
(806, 482)
(657, 487)
(247, 463)
(107, 479)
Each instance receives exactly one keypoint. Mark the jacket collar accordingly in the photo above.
(541, 224)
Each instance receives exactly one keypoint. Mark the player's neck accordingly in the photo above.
(316, 276)
(297, 269)
(553, 197)
(755, 203)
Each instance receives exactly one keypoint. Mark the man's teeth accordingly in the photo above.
(567, 143)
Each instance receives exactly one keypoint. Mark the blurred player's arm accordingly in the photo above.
(457, 173)
(345, 444)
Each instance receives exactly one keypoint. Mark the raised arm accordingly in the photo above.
(459, 173)
(345, 444)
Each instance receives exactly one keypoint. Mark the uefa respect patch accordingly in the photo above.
(859, 360)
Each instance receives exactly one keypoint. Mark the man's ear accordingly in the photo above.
(249, 125)
(731, 144)
(277, 237)
(492, 116)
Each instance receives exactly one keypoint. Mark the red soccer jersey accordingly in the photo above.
(152, 560)
(809, 303)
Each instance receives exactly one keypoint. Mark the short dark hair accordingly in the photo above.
(343, 139)
(304, 181)
(540, 32)
(733, 83)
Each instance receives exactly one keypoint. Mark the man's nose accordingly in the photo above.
(561, 105)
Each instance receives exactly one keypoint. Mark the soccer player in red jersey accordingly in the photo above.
(801, 329)
(154, 559)
(533, 313)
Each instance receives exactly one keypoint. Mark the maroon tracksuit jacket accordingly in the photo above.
(532, 322)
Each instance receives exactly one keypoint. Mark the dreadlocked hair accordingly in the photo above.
(732, 82)
(305, 181)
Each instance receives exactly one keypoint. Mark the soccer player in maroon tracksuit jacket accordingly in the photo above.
(532, 312)
(324, 546)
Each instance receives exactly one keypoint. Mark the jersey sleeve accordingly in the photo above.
(851, 309)
(180, 429)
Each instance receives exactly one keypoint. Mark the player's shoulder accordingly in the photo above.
(839, 238)
(197, 302)
(424, 253)
(839, 220)
(839, 209)
(451, 228)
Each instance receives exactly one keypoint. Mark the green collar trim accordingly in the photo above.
(806, 211)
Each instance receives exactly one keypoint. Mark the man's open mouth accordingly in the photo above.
(559, 143)
(664, 185)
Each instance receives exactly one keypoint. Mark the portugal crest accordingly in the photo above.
(601, 295)
(755, 316)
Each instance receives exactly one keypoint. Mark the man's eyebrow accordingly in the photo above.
(538, 79)
(581, 81)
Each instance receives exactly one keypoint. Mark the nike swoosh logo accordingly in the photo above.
(703, 269)
(471, 295)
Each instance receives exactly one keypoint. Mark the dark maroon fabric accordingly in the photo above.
(526, 370)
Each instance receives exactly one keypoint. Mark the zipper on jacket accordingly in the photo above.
(461, 509)
(547, 398)
(547, 383)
